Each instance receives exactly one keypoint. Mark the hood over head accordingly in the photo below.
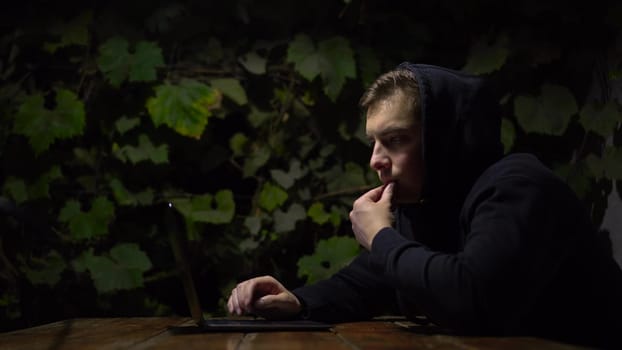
(460, 130)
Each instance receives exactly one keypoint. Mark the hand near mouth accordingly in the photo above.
(371, 212)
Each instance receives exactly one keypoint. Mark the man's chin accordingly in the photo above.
(402, 201)
(402, 197)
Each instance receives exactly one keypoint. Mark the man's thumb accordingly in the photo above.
(265, 301)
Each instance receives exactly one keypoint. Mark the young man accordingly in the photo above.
(476, 242)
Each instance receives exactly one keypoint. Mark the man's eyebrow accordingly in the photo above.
(390, 130)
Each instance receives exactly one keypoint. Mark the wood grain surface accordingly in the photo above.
(180, 333)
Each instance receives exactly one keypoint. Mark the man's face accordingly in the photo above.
(396, 141)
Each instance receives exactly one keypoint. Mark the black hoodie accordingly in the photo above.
(499, 245)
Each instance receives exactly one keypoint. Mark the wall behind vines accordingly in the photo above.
(242, 115)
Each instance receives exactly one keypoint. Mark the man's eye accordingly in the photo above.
(396, 140)
(371, 142)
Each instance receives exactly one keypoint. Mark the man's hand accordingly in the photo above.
(263, 296)
(370, 213)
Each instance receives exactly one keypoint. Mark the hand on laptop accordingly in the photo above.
(263, 296)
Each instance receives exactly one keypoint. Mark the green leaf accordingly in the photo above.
(222, 213)
(201, 208)
(102, 211)
(330, 256)
(608, 166)
(508, 134)
(486, 58)
(253, 224)
(549, 113)
(306, 144)
(125, 124)
(600, 119)
(69, 211)
(41, 187)
(16, 189)
(276, 141)
(130, 255)
(327, 150)
(248, 244)
(117, 63)
(185, 107)
(87, 225)
(74, 32)
(144, 197)
(114, 60)
(286, 221)
(336, 214)
(87, 157)
(237, 143)
(282, 178)
(45, 270)
(296, 170)
(271, 197)
(287, 179)
(144, 151)
(299, 109)
(317, 213)
(576, 176)
(121, 194)
(596, 166)
(256, 160)
(336, 65)
(339, 178)
(333, 59)
(43, 126)
(231, 88)
(146, 59)
(121, 269)
(257, 117)
(89, 183)
(283, 97)
(301, 52)
(253, 63)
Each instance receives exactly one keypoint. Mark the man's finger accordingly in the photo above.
(266, 285)
(265, 301)
(251, 290)
(374, 194)
(387, 194)
(283, 302)
(236, 302)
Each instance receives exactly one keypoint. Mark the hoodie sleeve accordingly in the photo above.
(352, 294)
(512, 246)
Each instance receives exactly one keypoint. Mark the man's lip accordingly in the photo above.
(386, 180)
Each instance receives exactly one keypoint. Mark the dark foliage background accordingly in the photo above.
(243, 115)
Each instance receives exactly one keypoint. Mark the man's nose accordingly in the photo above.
(379, 159)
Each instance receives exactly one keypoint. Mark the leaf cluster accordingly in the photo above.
(242, 116)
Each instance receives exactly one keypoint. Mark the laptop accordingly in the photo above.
(179, 245)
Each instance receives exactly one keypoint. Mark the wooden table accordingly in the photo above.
(153, 333)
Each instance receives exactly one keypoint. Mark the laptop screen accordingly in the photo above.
(178, 239)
